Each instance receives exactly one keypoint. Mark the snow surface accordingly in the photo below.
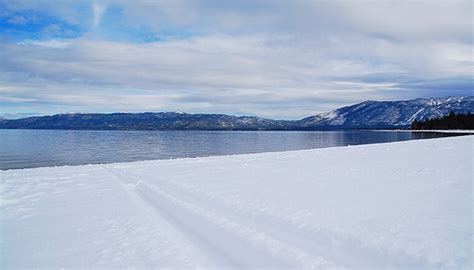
(459, 131)
(451, 131)
(403, 204)
(410, 120)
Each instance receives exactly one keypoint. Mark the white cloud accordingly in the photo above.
(51, 43)
(18, 20)
(98, 10)
(252, 74)
(286, 59)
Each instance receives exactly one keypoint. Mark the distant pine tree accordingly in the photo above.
(451, 121)
(415, 125)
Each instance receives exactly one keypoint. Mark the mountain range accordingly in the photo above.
(365, 115)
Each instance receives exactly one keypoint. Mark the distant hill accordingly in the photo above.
(368, 114)
(147, 121)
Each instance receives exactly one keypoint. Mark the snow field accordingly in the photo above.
(401, 205)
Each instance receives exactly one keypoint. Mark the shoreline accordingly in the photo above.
(248, 130)
(452, 131)
(239, 154)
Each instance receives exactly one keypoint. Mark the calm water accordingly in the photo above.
(38, 148)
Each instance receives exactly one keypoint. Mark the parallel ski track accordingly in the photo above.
(247, 235)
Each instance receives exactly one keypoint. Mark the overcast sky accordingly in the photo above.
(277, 59)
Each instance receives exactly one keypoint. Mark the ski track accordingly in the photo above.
(250, 229)
(222, 235)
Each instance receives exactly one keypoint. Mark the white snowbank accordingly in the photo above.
(404, 204)
(453, 131)
(462, 131)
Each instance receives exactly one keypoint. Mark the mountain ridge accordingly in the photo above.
(389, 114)
(365, 115)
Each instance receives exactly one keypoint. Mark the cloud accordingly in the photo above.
(390, 19)
(17, 20)
(51, 43)
(285, 59)
(98, 10)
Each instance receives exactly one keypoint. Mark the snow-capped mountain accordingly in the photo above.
(368, 114)
(381, 114)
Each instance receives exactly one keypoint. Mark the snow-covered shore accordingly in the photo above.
(403, 204)
(459, 131)
(452, 131)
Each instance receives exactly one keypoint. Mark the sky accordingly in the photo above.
(275, 59)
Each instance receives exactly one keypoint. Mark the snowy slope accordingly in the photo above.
(404, 204)
(370, 114)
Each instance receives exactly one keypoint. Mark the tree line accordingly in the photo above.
(451, 121)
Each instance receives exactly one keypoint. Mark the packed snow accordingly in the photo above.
(404, 204)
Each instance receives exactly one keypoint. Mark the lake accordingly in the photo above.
(40, 148)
